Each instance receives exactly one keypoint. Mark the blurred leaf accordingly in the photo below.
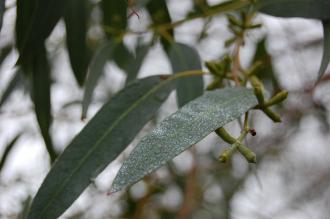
(35, 21)
(326, 49)
(114, 17)
(185, 58)
(122, 56)
(160, 15)
(4, 52)
(76, 18)
(39, 72)
(95, 71)
(2, 11)
(266, 72)
(182, 129)
(133, 67)
(99, 143)
(16, 82)
(317, 9)
(7, 150)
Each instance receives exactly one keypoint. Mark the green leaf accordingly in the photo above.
(2, 11)
(133, 67)
(114, 17)
(122, 56)
(185, 58)
(76, 17)
(160, 15)
(7, 151)
(99, 143)
(182, 129)
(16, 82)
(266, 72)
(35, 21)
(39, 72)
(317, 9)
(326, 49)
(95, 71)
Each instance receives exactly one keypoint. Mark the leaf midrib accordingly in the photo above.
(153, 90)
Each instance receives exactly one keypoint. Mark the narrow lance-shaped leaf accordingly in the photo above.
(326, 49)
(182, 129)
(99, 143)
(76, 16)
(15, 82)
(35, 21)
(316, 9)
(39, 71)
(134, 65)
(185, 58)
(7, 151)
(95, 71)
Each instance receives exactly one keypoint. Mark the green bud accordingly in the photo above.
(249, 155)
(278, 98)
(258, 90)
(272, 115)
(226, 155)
(224, 135)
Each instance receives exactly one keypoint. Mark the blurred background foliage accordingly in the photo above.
(122, 40)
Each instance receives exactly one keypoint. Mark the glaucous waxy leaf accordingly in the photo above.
(182, 129)
(99, 143)
(317, 9)
(326, 49)
(184, 58)
(95, 72)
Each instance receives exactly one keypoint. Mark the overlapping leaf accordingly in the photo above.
(185, 58)
(76, 18)
(39, 71)
(100, 142)
(133, 66)
(182, 129)
(15, 82)
(35, 21)
(95, 72)
(7, 151)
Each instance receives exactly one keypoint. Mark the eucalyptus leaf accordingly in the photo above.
(95, 71)
(182, 129)
(326, 49)
(76, 18)
(99, 143)
(39, 71)
(35, 21)
(16, 82)
(7, 151)
(159, 13)
(316, 9)
(114, 17)
(2, 11)
(184, 58)
(134, 65)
